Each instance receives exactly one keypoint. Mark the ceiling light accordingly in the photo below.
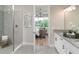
(71, 8)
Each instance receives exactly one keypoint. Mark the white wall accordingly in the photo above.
(56, 19)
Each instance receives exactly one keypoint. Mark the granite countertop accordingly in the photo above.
(74, 42)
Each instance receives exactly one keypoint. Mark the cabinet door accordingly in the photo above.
(70, 49)
(59, 44)
(74, 49)
(56, 41)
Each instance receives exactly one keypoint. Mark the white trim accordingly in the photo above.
(16, 48)
(48, 25)
(28, 43)
(34, 13)
(23, 28)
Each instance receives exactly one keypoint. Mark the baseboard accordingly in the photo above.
(16, 48)
(28, 44)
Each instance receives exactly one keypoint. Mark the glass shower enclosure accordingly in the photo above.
(6, 29)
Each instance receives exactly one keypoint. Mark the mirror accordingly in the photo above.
(71, 18)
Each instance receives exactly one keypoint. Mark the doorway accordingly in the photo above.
(41, 25)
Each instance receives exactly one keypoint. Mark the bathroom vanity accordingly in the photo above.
(65, 45)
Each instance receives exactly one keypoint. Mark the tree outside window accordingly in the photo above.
(41, 23)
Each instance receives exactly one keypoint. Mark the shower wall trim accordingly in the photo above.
(28, 43)
(16, 48)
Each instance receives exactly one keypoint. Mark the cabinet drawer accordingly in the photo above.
(56, 35)
(71, 49)
(59, 44)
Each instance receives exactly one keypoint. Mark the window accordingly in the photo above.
(41, 22)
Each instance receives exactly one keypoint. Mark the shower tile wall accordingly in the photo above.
(8, 22)
(6, 27)
(1, 20)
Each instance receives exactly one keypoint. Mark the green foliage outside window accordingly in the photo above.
(41, 23)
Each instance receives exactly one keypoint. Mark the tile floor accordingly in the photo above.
(25, 49)
(29, 49)
(46, 50)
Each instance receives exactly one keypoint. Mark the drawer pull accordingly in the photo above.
(55, 39)
(70, 52)
(63, 46)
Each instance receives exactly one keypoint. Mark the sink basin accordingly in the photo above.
(71, 34)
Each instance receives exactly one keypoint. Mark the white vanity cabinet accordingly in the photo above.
(59, 44)
(63, 46)
(70, 49)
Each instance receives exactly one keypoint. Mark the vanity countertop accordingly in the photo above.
(74, 42)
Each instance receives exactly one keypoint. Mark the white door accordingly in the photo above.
(28, 35)
(28, 26)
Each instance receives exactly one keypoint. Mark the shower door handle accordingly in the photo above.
(16, 25)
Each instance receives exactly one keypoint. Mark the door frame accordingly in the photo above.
(49, 30)
(34, 26)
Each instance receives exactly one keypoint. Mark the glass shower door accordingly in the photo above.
(6, 29)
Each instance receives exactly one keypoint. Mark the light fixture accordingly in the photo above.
(71, 8)
(13, 7)
(40, 12)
